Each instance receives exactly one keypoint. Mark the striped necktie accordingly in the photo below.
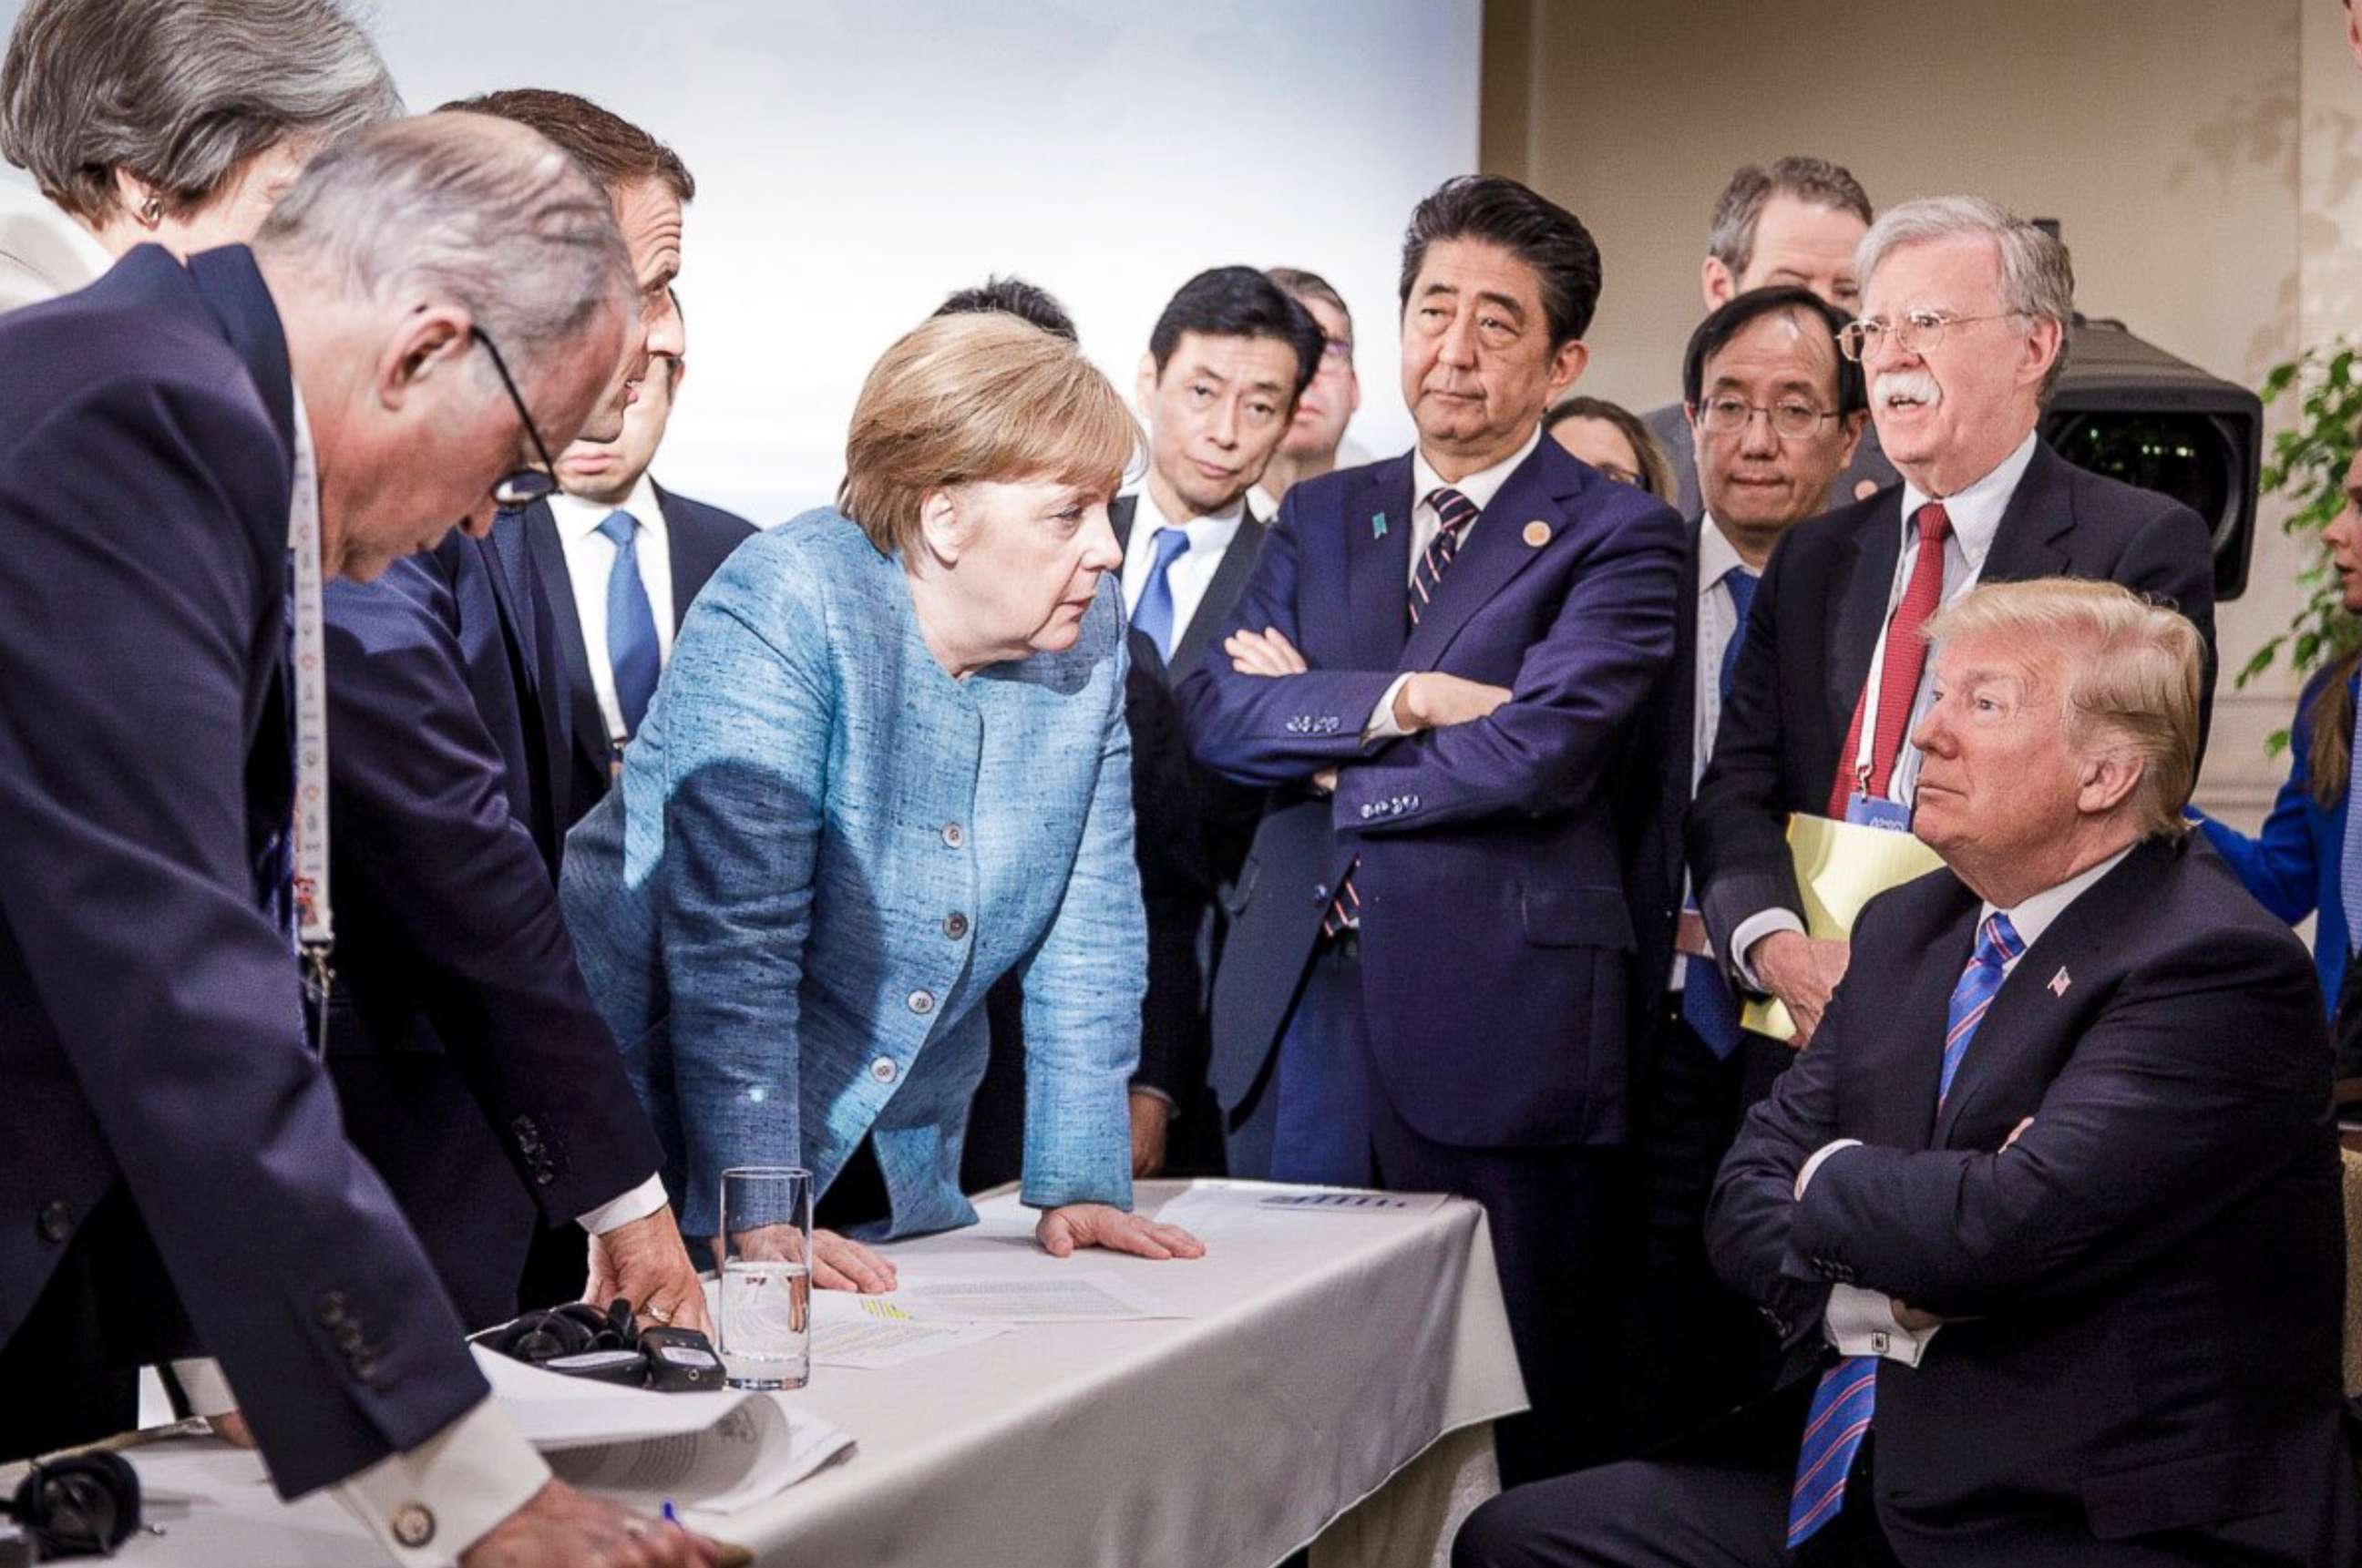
(1454, 513)
(1848, 1395)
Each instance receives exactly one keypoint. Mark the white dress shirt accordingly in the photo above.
(590, 559)
(1975, 512)
(1860, 1321)
(1192, 571)
(1426, 523)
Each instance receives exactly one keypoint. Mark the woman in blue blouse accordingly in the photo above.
(2294, 865)
(889, 764)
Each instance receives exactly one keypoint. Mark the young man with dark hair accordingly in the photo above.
(1791, 222)
(1436, 669)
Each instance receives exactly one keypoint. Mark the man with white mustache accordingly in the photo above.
(1963, 338)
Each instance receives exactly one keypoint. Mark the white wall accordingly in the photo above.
(857, 161)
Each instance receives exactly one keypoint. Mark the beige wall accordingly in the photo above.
(2204, 156)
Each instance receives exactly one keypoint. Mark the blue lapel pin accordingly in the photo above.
(1378, 526)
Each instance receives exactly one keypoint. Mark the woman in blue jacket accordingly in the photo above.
(887, 765)
(2295, 864)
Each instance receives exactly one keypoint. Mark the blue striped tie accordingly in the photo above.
(1453, 512)
(1847, 1394)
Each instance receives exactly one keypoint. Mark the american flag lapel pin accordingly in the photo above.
(2059, 982)
(1378, 526)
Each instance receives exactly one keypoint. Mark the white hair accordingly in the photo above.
(478, 211)
(2038, 280)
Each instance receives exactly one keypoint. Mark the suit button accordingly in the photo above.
(884, 1070)
(955, 835)
(1367, 806)
(1320, 893)
(348, 1337)
(331, 1310)
(955, 926)
(57, 1221)
(413, 1525)
(543, 1175)
(922, 1003)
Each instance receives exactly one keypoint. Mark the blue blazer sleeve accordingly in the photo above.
(746, 711)
(1261, 730)
(1083, 989)
(2279, 865)
(145, 547)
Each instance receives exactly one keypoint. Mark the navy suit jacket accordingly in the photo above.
(1496, 941)
(151, 1028)
(2149, 1280)
(699, 538)
(1815, 623)
(446, 726)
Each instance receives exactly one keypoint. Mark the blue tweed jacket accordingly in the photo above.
(824, 852)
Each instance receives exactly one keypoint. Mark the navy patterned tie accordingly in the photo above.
(1707, 1006)
(631, 624)
(1453, 512)
(1847, 1395)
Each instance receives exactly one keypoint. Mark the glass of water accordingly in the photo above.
(767, 1225)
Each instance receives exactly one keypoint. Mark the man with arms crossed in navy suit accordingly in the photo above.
(2049, 1214)
(1438, 666)
(185, 442)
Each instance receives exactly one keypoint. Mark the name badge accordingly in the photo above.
(1870, 811)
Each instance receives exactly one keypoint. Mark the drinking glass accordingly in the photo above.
(767, 1224)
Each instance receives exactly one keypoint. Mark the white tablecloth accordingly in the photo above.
(1325, 1356)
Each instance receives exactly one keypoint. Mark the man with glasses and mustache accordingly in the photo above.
(473, 1071)
(1962, 337)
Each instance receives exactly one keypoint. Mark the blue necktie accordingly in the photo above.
(1153, 618)
(631, 625)
(2349, 854)
(1847, 1395)
(1707, 1006)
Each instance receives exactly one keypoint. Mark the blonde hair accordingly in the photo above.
(2130, 677)
(979, 396)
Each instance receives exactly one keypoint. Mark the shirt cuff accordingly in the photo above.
(1861, 1322)
(637, 1204)
(429, 1505)
(207, 1389)
(1813, 1165)
(1382, 726)
(1753, 930)
(1140, 1088)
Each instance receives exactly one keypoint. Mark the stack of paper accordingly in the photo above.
(1839, 868)
(718, 1452)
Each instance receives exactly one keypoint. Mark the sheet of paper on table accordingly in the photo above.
(863, 1334)
(1214, 1207)
(716, 1452)
(1058, 1293)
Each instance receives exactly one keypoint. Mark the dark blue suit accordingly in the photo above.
(474, 1071)
(1496, 987)
(698, 539)
(160, 1096)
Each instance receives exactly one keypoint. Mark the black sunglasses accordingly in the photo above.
(524, 486)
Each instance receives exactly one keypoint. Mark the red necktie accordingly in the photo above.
(1907, 655)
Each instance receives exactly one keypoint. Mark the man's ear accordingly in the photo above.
(2108, 781)
(1852, 424)
(431, 339)
(1567, 362)
(2044, 341)
(1143, 391)
(1716, 283)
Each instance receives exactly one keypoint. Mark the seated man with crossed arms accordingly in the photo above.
(2048, 1214)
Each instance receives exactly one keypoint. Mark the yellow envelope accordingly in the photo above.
(1839, 868)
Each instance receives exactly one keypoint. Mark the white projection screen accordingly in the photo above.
(857, 161)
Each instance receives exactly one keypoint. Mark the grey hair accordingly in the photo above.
(2130, 677)
(2037, 279)
(178, 93)
(1739, 209)
(478, 212)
